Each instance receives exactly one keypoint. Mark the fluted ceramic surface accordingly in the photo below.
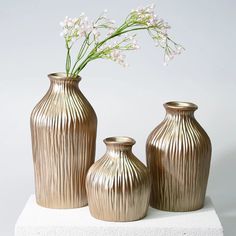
(63, 129)
(118, 185)
(178, 157)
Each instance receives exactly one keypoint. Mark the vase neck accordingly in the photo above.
(180, 109)
(60, 82)
(119, 146)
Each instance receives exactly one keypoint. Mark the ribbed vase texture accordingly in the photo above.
(118, 184)
(63, 129)
(178, 157)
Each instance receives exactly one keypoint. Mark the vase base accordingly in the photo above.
(117, 219)
(177, 209)
(62, 205)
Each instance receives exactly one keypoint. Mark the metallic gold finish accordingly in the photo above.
(178, 157)
(118, 185)
(63, 129)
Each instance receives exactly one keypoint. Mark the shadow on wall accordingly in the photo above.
(222, 188)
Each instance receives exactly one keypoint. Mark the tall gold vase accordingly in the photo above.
(178, 157)
(63, 129)
(118, 184)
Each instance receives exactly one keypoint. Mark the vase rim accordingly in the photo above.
(182, 106)
(62, 76)
(119, 140)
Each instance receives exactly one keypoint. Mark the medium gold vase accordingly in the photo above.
(63, 130)
(118, 185)
(178, 157)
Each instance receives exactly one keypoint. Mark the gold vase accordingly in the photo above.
(63, 130)
(178, 157)
(118, 185)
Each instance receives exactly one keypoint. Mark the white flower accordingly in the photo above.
(147, 17)
(126, 65)
(110, 32)
(117, 56)
(179, 49)
(112, 22)
(134, 45)
(73, 29)
(114, 50)
(102, 39)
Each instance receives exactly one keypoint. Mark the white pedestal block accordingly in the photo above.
(39, 221)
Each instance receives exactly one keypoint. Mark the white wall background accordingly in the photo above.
(127, 101)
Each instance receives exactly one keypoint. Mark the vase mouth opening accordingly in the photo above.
(120, 140)
(181, 106)
(63, 76)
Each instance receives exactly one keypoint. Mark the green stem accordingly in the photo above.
(92, 54)
(89, 57)
(68, 60)
(81, 49)
(79, 56)
(140, 28)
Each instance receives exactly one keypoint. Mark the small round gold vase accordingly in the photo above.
(178, 155)
(118, 184)
(63, 130)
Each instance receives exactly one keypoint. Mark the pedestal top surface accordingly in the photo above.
(51, 221)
